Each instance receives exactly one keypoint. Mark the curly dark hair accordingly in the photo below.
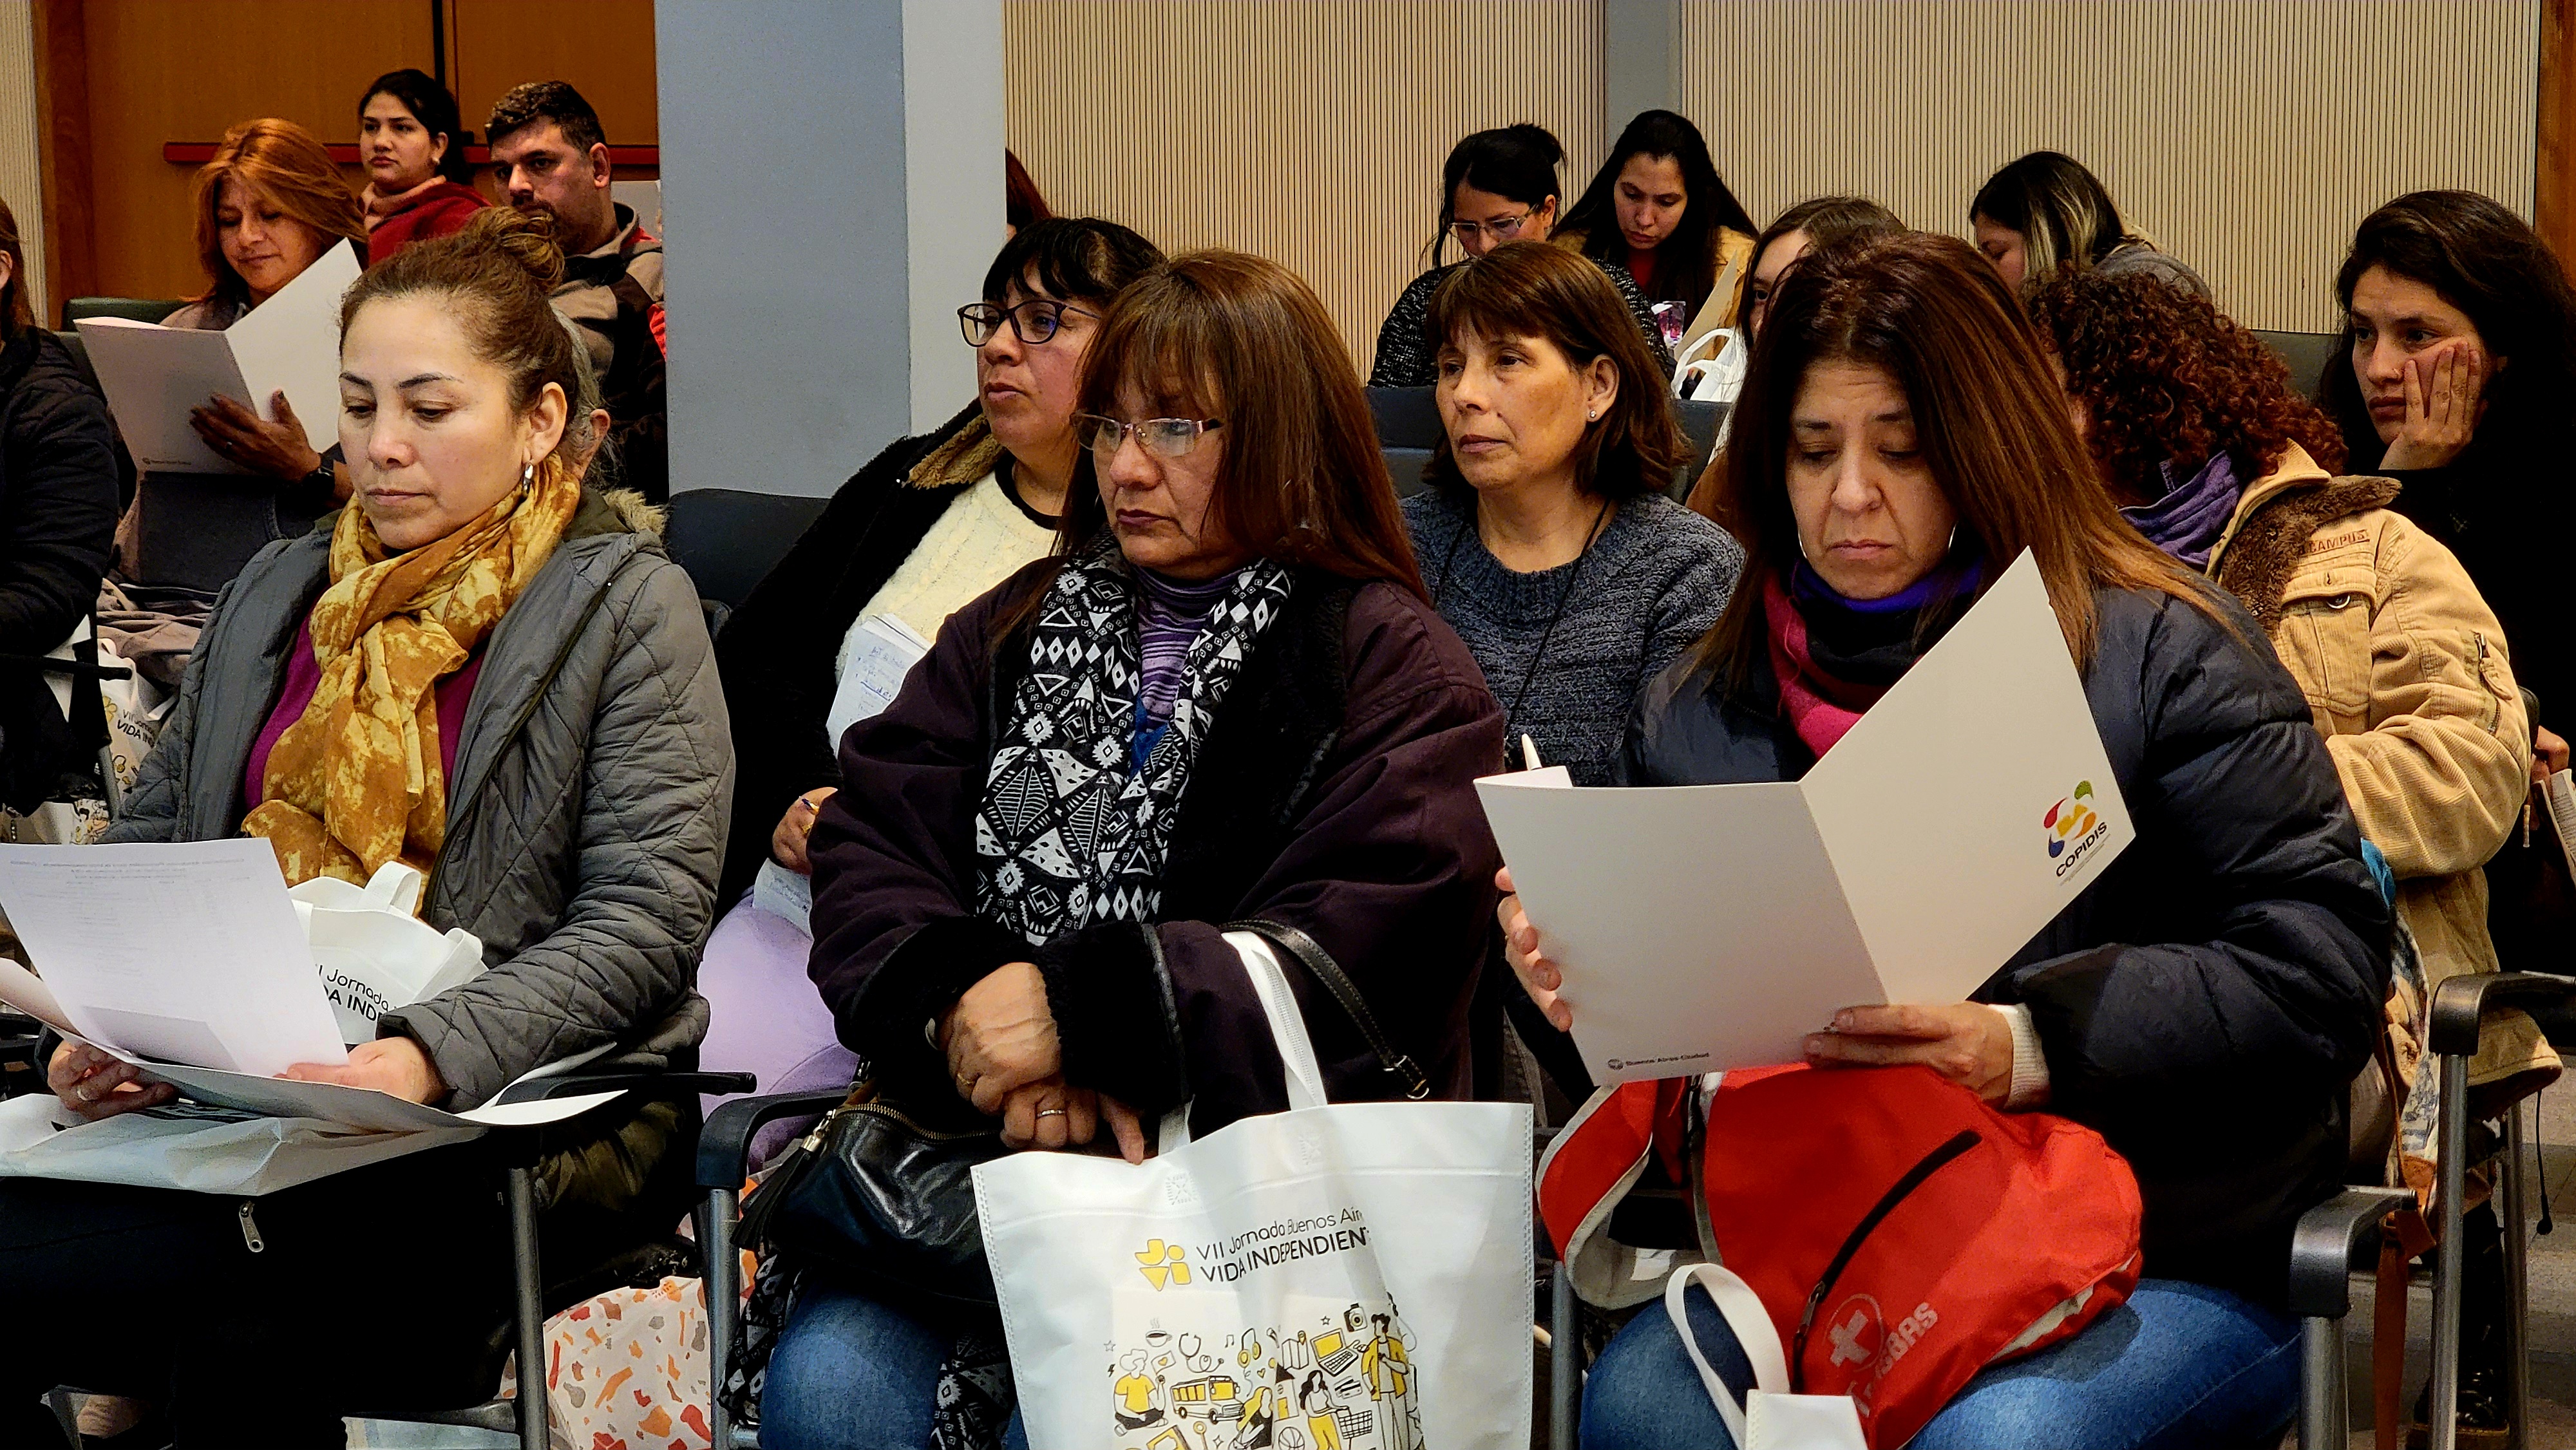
(2165, 376)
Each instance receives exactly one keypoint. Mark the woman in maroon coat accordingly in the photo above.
(419, 184)
(1225, 697)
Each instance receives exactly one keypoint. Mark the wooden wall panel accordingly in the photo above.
(2248, 136)
(158, 71)
(1310, 133)
(2553, 182)
(22, 146)
(604, 47)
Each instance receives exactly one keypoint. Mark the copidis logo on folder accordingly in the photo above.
(1163, 1263)
(2073, 827)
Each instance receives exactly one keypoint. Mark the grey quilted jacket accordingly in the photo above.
(586, 815)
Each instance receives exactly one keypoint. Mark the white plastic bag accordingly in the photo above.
(1353, 1276)
(1711, 369)
(374, 952)
(196, 1149)
(1770, 1418)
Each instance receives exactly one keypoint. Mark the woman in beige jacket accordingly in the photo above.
(2192, 422)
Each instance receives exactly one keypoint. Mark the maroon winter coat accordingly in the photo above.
(1333, 792)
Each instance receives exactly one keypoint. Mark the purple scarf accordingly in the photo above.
(2187, 521)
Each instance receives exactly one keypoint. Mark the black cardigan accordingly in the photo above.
(58, 507)
(776, 651)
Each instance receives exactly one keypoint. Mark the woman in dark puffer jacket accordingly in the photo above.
(2204, 1004)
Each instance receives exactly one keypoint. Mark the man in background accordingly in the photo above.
(549, 155)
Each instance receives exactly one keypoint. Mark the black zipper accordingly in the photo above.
(1932, 1163)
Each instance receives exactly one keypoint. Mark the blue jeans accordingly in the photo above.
(2178, 1365)
(850, 1373)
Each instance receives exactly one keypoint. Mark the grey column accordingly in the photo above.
(1641, 60)
(832, 184)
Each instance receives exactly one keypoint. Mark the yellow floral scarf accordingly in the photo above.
(356, 781)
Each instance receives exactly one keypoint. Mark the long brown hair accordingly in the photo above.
(1538, 289)
(287, 164)
(1992, 424)
(1219, 334)
(2165, 377)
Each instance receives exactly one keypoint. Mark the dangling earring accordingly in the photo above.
(528, 479)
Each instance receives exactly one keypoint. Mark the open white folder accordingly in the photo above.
(153, 375)
(186, 960)
(1707, 927)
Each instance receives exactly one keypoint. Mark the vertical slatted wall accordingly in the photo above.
(1308, 132)
(21, 175)
(2247, 136)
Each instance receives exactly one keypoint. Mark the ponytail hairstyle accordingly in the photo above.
(497, 277)
(1516, 162)
(2064, 214)
(1686, 264)
(435, 110)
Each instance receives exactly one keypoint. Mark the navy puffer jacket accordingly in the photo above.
(2206, 1003)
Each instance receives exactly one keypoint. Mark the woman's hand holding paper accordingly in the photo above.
(1967, 1042)
(394, 1065)
(94, 1085)
(1539, 976)
(277, 449)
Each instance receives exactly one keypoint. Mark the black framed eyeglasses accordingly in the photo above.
(1032, 322)
(1169, 437)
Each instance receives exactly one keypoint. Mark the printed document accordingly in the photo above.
(1708, 927)
(154, 375)
(882, 650)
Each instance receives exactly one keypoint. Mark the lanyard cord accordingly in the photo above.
(1575, 576)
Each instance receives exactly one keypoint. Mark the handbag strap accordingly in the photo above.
(1303, 1075)
(1320, 964)
(1742, 1310)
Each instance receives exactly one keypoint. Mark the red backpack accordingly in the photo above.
(1902, 1234)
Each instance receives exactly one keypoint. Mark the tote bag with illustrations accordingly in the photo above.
(1351, 1277)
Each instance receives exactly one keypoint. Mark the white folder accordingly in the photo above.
(1708, 927)
(153, 375)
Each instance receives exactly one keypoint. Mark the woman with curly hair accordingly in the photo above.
(2193, 424)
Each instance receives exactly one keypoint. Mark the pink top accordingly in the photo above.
(304, 677)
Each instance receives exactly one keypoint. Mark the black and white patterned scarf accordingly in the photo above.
(1067, 833)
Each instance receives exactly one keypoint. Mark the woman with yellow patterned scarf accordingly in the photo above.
(489, 671)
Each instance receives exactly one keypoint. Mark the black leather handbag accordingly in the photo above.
(878, 1197)
(881, 1198)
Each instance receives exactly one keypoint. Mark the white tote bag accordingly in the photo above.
(1351, 1277)
(1770, 1418)
(374, 952)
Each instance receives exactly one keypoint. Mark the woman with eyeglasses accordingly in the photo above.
(1498, 186)
(1225, 697)
(930, 523)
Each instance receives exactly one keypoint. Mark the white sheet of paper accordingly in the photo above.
(185, 953)
(1710, 927)
(883, 649)
(785, 894)
(352, 1107)
(2561, 796)
(153, 375)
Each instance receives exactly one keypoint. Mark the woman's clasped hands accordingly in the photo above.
(1969, 1043)
(1004, 1057)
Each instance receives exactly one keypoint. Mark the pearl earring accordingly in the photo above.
(1591, 415)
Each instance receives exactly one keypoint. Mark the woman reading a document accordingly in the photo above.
(490, 672)
(2203, 1004)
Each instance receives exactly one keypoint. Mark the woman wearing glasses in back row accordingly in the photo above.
(930, 523)
(1498, 186)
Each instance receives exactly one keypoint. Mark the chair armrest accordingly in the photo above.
(724, 1144)
(2463, 1003)
(2321, 1248)
(652, 1084)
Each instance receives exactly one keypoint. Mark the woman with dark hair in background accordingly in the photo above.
(419, 183)
(1658, 207)
(1497, 186)
(2462, 364)
(2045, 211)
(1819, 221)
(1226, 697)
(2196, 430)
(58, 498)
(1544, 534)
(929, 524)
(2204, 1004)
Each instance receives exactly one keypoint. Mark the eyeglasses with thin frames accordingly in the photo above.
(1503, 228)
(1032, 322)
(1169, 437)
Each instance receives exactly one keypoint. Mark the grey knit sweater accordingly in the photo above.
(1651, 585)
